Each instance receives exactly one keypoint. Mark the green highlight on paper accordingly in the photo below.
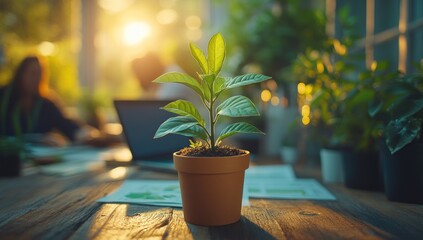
(144, 195)
(285, 191)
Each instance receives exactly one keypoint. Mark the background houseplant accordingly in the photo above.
(276, 35)
(211, 176)
(399, 107)
(341, 92)
(325, 81)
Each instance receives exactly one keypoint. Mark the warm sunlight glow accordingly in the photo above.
(301, 88)
(167, 16)
(167, 3)
(275, 100)
(46, 48)
(193, 22)
(115, 5)
(135, 32)
(266, 95)
(118, 173)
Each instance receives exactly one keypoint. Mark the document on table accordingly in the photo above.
(148, 192)
(153, 192)
(270, 172)
(279, 182)
(289, 189)
(71, 160)
(273, 181)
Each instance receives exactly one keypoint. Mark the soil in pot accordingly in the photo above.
(362, 170)
(211, 188)
(403, 176)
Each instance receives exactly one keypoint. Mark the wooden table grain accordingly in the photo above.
(47, 207)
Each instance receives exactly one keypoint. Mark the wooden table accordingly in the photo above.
(47, 207)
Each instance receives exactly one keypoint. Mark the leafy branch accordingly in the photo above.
(209, 87)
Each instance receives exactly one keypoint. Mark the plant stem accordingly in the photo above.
(212, 143)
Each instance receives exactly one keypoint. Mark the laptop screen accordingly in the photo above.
(140, 120)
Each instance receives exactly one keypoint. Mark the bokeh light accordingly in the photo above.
(266, 95)
(305, 111)
(301, 88)
(115, 5)
(46, 48)
(193, 22)
(305, 120)
(167, 16)
(275, 100)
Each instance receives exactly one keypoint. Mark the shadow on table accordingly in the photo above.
(243, 229)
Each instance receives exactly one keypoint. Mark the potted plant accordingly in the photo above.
(341, 93)
(315, 71)
(399, 105)
(11, 148)
(211, 175)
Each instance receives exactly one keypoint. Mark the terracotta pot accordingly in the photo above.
(211, 188)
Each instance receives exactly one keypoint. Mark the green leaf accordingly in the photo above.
(206, 91)
(240, 127)
(374, 107)
(209, 79)
(195, 132)
(216, 53)
(219, 85)
(181, 78)
(361, 98)
(200, 57)
(246, 79)
(407, 108)
(237, 106)
(184, 108)
(318, 98)
(400, 132)
(175, 125)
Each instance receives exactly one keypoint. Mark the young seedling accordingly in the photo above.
(209, 87)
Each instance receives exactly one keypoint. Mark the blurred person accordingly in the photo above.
(148, 68)
(27, 102)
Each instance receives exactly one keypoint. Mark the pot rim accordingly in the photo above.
(211, 165)
(201, 157)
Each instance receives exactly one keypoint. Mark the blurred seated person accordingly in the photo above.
(26, 101)
(148, 68)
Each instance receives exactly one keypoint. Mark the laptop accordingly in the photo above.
(140, 120)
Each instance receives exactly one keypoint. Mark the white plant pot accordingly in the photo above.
(289, 155)
(278, 122)
(332, 166)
